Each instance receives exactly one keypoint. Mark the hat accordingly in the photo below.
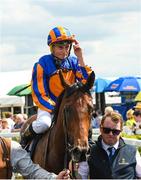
(138, 106)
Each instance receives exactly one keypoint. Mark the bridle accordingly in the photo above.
(68, 145)
(73, 88)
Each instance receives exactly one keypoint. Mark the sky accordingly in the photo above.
(109, 32)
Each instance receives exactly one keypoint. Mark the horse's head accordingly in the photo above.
(75, 111)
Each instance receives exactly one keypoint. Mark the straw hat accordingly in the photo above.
(138, 106)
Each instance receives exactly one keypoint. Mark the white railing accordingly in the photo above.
(10, 135)
(95, 134)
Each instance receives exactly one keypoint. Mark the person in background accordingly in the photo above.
(18, 160)
(130, 122)
(110, 156)
(19, 121)
(9, 117)
(137, 117)
(46, 83)
(96, 119)
(0, 123)
(137, 107)
(108, 110)
(5, 126)
(25, 116)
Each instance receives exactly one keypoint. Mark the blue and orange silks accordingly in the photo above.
(46, 84)
(59, 34)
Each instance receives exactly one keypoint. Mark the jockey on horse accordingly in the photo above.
(46, 84)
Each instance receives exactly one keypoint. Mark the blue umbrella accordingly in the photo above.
(125, 84)
(100, 85)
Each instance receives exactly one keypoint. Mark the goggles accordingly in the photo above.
(115, 132)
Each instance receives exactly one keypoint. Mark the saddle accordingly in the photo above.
(30, 145)
(5, 165)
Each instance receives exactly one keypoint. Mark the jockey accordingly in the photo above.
(46, 84)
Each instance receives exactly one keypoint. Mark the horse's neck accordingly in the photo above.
(58, 137)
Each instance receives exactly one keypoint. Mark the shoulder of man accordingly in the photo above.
(130, 148)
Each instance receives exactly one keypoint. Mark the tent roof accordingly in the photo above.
(8, 101)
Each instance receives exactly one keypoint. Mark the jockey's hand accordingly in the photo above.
(65, 174)
(78, 52)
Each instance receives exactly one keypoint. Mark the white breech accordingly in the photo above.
(43, 121)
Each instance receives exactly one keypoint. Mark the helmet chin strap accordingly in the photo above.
(58, 61)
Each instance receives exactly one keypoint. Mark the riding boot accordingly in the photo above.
(27, 136)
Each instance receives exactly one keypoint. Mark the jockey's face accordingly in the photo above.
(61, 51)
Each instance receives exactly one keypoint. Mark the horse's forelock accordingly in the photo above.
(68, 93)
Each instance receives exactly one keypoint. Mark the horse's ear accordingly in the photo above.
(63, 82)
(90, 81)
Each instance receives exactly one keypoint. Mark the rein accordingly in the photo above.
(66, 140)
(67, 145)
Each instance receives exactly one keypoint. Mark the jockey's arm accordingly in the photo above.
(78, 52)
(40, 94)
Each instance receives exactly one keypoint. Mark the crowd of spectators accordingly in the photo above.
(132, 123)
(12, 122)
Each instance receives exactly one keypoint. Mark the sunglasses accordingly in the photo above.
(108, 130)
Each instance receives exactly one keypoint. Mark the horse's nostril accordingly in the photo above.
(79, 154)
(76, 150)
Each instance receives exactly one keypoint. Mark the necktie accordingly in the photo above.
(111, 152)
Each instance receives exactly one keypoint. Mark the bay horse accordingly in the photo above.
(67, 138)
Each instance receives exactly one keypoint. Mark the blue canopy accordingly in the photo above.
(125, 84)
(100, 85)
